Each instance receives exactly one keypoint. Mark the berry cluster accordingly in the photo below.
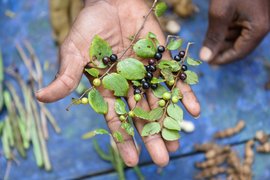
(112, 59)
(178, 58)
(150, 68)
(166, 97)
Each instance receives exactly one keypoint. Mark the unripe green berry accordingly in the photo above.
(137, 97)
(84, 100)
(175, 99)
(122, 118)
(166, 96)
(96, 82)
(161, 103)
(131, 114)
(171, 82)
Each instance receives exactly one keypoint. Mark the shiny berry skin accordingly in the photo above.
(154, 86)
(145, 85)
(122, 118)
(183, 76)
(184, 67)
(143, 81)
(151, 61)
(137, 91)
(131, 114)
(166, 96)
(106, 60)
(96, 82)
(149, 76)
(160, 49)
(84, 100)
(175, 99)
(113, 58)
(147, 68)
(152, 68)
(177, 58)
(137, 97)
(161, 103)
(158, 56)
(182, 54)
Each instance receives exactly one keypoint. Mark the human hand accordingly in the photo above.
(114, 21)
(235, 28)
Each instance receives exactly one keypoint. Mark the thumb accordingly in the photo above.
(68, 78)
(219, 19)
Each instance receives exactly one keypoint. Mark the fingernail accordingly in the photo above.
(205, 54)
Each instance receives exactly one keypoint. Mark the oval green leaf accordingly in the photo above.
(192, 77)
(116, 83)
(174, 44)
(193, 62)
(93, 133)
(145, 48)
(153, 115)
(170, 135)
(160, 9)
(97, 102)
(172, 124)
(150, 129)
(120, 106)
(118, 136)
(175, 112)
(98, 49)
(169, 64)
(159, 91)
(92, 71)
(131, 69)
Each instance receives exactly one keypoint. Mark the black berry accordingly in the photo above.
(149, 76)
(113, 58)
(152, 68)
(145, 85)
(182, 54)
(158, 56)
(143, 81)
(137, 91)
(184, 67)
(106, 60)
(147, 68)
(161, 49)
(151, 62)
(154, 86)
(183, 76)
(177, 58)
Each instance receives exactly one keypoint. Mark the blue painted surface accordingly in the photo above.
(227, 94)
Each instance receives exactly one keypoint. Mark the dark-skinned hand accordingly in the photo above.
(235, 28)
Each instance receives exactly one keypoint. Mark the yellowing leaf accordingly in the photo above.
(93, 133)
(120, 106)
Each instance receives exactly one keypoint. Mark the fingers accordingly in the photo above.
(220, 15)
(127, 149)
(250, 37)
(154, 144)
(172, 146)
(71, 69)
(189, 99)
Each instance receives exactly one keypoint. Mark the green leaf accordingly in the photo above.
(176, 92)
(193, 62)
(174, 44)
(116, 83)
(151, 35)
(131, 69)
(128, 128)
(120, 106)
(98, 49)
(160, 9)
(192, 77)
(172, 124)
(118, 136)
(159, 91)
(167, 74)
(136, 83)
(169, 64)
(145, 48)
(153, 115)
(170, 135)
(97, 102)
(175, 112)
(156, 80)
(95, 132)
(92, 71)
(150, 129)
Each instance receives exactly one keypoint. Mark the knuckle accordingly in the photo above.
(69, 81)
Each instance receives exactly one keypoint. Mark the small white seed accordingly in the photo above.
(187, 126)
(173, 27)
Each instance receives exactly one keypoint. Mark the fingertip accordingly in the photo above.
(128, 153)
(172, 146)
(205, 54)
(162, 161)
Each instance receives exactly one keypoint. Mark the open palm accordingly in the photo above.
(115, 21)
